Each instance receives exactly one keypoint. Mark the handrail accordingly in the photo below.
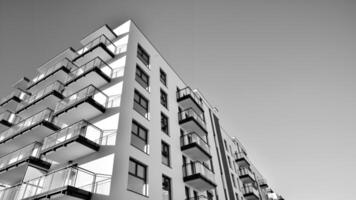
(191, 113)
(100, 39)
(188, 91)
(82, 128)
(193, 137)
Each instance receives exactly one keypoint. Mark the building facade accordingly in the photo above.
(112, 120)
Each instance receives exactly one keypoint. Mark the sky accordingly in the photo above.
(282, 73)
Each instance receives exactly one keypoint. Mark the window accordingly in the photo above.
(166, 188)
(142, 78)
(140, 104)
(228, 158)
(137, 181)
(139, 137)
(225, 143)
(163, 77)
(165, 154)
(143, 55)
(233, 180)
(164, 124)
(164, 100)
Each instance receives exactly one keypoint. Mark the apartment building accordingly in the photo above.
(112, 120)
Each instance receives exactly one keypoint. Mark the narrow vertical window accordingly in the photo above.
(164, 124)
(143, 55)
(163, 77)
(140, 104)
(164, 100)
(165, 154)
(166, 188)
(142, 78)
(139, 137)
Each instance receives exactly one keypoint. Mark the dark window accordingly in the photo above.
(225, 143)
(209, 195)
(163, 77)
(164, 100)
(165, 154)
(143, 55)
(142, 78)
(141, 104)
(233, 180)
(166, 188)
(228, 158)
(139, 137)
(137, 180)
(164, 124)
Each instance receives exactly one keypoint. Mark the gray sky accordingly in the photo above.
(282, 73)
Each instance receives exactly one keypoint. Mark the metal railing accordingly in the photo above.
(66, 63)
(241, 155)
(246, 171)
(55, 86)
(193, 137)
(197, 167)
(191, 113)
(249, 189)
(20, 154)
(70, 176)
(85, 93)
(82, 128)
(44, 115)
(188, 91)
(17, 93)
(94, 63)
(9, 117)
(100, 39)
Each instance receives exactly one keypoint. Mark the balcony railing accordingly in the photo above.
(56, 86)
(17, 95)
(189, 92)
(9, 118)
(80, 96)
(190, 113)
(246, 172)
(102, 39)
(22, 154)
(250, 189)
(94, 63)
(194, 138)
(196, 167)
(72, 176)
(44, 115)
(66, 63)
(82, 128)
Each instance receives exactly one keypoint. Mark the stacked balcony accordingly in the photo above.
(242, 160)
(11, 101)
(8, 119)
(194, 146)
(198, 176)
(45, 98)
(187, 98)
(250, 192)
(263, 183)
(14, 165)
(68, 183)
(86, 104)
(95, 72)
(57, 72)
(31, 129)
(73, 142)
(190, 121)
(246, 176)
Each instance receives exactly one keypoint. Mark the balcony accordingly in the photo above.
(95, 72)
(11, 101)
(195, 147)
(246, 176)
(8, 119)
(45, 98)
(84, 104)
(29, 130)
(72, 142)
(101, 46)
(63, 184)
(241, 159)
(57, 72)
(198, 176)
(186, 98)
(263, 183)
(190, 121)
(250, 192)
(13, 166)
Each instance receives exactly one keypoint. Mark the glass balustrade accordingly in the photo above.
(190, 113)
(102, 39)
(189, 92)
(196, 167)
(194, 138)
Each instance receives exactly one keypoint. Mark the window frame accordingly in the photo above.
(144, 179)
(165, 147)
(163, 81)
(164, 116)
(141, 54)
(141, 98)
(139, 73)
(164, 177)
(162, 92)
(140, 127)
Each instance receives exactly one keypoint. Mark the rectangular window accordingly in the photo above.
(139, 137)
(233, 180)
(137, 181)
(166, 188)
(165, 154)
(164, 100)
(228, 158)
(225, 143)
(140, 104)
(143, 55)
(163, 77)
(142, 78)
(164, 124)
